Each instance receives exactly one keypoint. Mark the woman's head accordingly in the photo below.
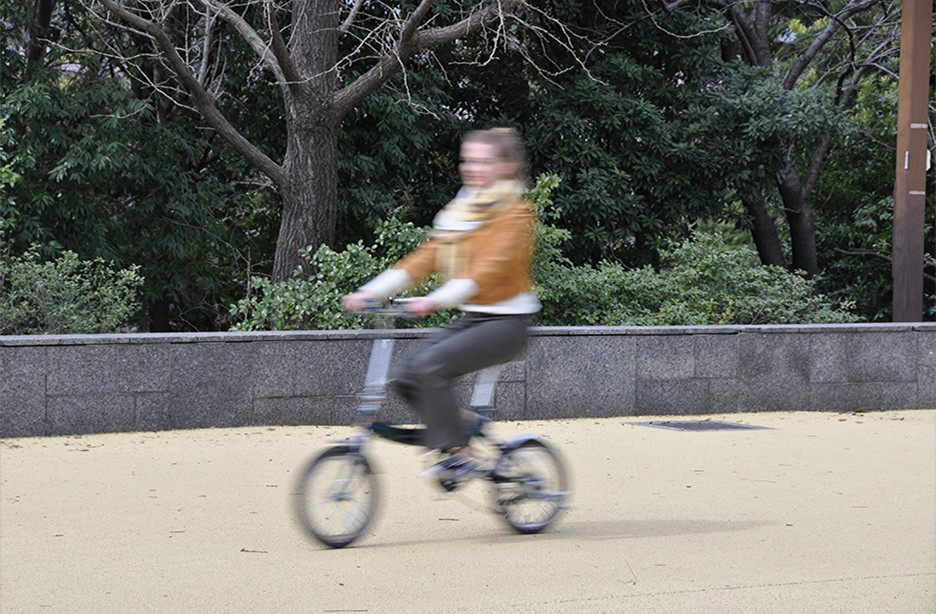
(491, 155)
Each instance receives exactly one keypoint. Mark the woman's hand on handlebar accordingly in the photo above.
(421, 306)
(358, 301)
(363, 300)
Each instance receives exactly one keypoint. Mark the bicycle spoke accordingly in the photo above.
(336, 497)
(531, 487)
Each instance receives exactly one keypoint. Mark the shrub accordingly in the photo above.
(702, 281)
(314, 303)
(65, 295)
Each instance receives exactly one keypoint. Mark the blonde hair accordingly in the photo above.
(506, 142)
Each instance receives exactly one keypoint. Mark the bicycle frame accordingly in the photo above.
(374, 394)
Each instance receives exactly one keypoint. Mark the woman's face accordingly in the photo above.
(481, 166)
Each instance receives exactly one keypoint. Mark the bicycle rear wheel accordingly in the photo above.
(530, 486)
(336, 496)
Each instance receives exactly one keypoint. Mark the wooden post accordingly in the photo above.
(910, 180)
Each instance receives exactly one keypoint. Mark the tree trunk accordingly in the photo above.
(803, 239)
(765, 234)
(310, 189)
(798, 209)
(37, 46)
(310, 196)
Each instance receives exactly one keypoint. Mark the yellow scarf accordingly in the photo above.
(467, 212)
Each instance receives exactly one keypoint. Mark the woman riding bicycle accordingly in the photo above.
(482, 242)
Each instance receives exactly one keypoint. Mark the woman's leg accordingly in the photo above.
(470, 344)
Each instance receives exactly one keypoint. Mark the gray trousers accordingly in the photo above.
(472, 343)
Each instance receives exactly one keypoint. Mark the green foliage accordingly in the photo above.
(658, 134)
(665, 133)
(65, 295)
(396, 149)
(855, 221)
(313, 303)
(106, 168)
(702, 281)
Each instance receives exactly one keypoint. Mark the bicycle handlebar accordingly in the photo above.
(396, 307)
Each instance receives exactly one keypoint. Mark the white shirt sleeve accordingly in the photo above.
(455, 292)
(389, 282)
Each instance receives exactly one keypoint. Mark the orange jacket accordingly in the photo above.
(498, 256)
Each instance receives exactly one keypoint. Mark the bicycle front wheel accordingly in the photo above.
(336, 496)
(530, 486)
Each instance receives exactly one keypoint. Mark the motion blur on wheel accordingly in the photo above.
(336, 496)
(530, 486)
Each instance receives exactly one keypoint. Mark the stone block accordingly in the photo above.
(23, 375)
(665, 357)
(394, 410)
(774, 357)
(686, 397)
(514, 371)
(330, 367)
(773, 371)
(151, 411)
(91, 413)
(211, 385)
(345, 409)
(295, 411)
(670, 396)
(581, 377)
(766, 395)
(857, 356)
(143, 367)
(724, 395)
(926, 371)
(510, 403)
(275, 369)
(82, 369)
(715, 356)
(865, 396)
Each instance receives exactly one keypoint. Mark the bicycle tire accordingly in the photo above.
(530, 486)
(336, 496)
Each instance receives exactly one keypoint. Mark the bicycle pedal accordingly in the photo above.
(449, 485)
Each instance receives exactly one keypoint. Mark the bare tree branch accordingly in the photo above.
(412, 22)
(256, 42)
(290, 74)
(669, 7)
(475, 21)
(820, 41)
(200, 96)
(672, 6)
(413, 40)
(206, 48)
(887, 257)
(346, 24)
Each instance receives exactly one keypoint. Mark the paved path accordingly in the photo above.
(822, 513)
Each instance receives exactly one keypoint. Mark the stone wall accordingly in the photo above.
(57, 385)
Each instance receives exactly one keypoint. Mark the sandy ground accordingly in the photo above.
(820, 513)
